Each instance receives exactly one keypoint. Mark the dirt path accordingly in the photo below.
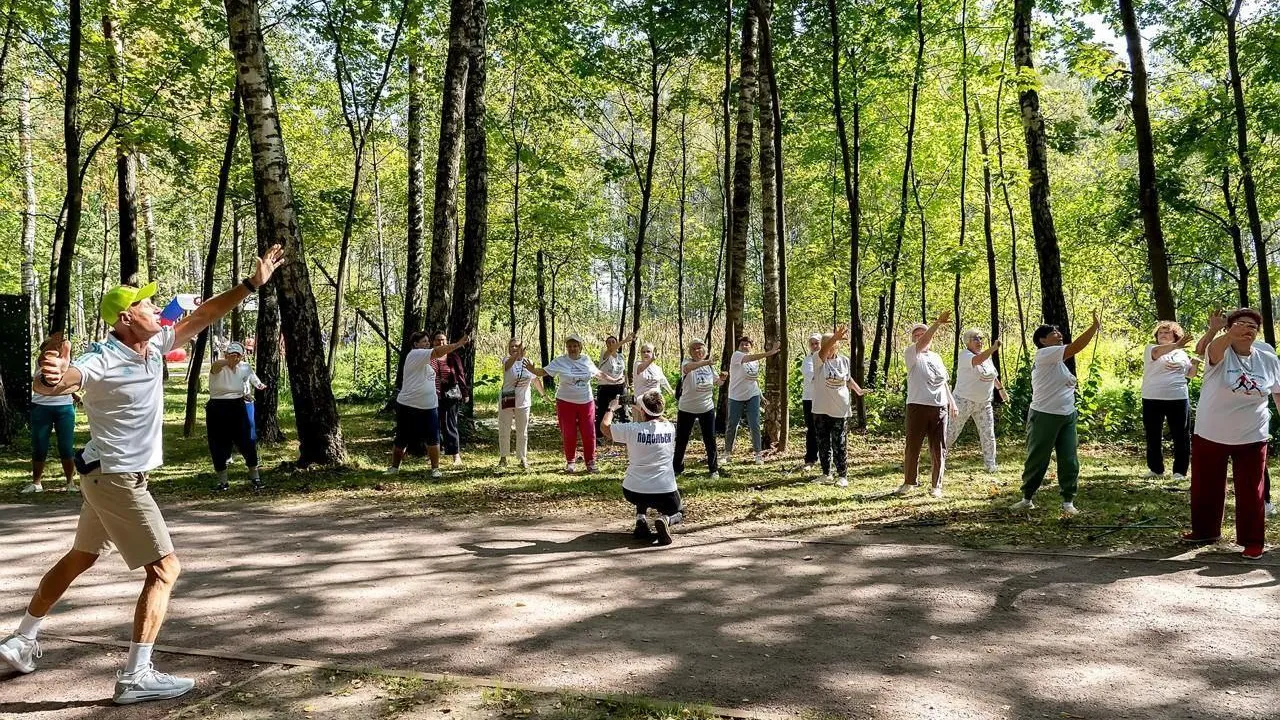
(850, 627)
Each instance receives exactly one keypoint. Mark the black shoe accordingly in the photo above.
(643, 531)
(222, 486)
(256, 484)
(663, 532)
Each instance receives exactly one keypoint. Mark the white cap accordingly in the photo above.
(574, 337)
(236, 348)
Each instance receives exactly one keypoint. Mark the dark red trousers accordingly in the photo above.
(1209, 489)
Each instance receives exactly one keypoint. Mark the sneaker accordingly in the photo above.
(222, 486)
(1151, 474)
(1253, 552)
(1179, 477)
(502, 461)
(935, 491)
(391, 470)
(904, 489)
(436, 474)
(72, 487)
(570, 468)
(591, 468)
(256, 484)
(1191, 539)
(824, 479)
(676, 519)
(807, 469)
(643, 531)
(660, 526)
(31, 488)
(524, 464)
(1024, 504)
(457, 459)
(759, 459)
(20, 652)
(1269, 509)
(715, 475)
(1069, 509)
(150, 684)
(842, 482)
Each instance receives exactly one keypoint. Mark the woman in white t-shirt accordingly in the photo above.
(1051, 421)
(929, 404)
(227, 421)
(832, 384)
(514, 401)
(418, 404)
(650, 482)
(1166, 367)
(697, 403)
(647, 374)
(806, 402)
(1232, 427)
(976, 384)
(614, 384)
(575, 408)
(744, 396)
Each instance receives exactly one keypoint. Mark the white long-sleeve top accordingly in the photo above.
(232, 383)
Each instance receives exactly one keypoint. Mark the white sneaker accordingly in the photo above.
(904, 489)
(524, 464)
(570, 467)
(20, 652)
(1179, 477)
(391, 470)
(1069, 509)
(842, 482)
(759, 459)
(1270, 509)
(1025, 504)
(457, 459)
(1151, 474)
(824, 479)
(591, 468)
(677, 518)
(150, 684)
(806, 469)
(31, 488)
(72, 487)
(715, 475)
(935, 491)
(436, 474)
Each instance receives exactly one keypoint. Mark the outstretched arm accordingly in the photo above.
(985, 355)
(760, 356)
(446, 349)
(215, 307)
(943, 319)
(1083, 341)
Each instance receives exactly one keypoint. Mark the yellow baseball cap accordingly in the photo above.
(120, 298)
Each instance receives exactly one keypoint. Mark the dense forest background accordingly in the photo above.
(688, 167)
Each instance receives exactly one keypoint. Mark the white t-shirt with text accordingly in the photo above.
(744, 377)
(1053, 387)
(651, 379)
(697, 394)
(976, 383)
(1165, 377)
(651, 447)
(614, 366)
(516, 379)
(831, 386)
(573, 378)
(1233, 406)
(926, 377)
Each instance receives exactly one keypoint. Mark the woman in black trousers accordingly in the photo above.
(1165, 400)
(697, 404)
(453, 390)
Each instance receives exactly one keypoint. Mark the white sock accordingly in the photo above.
(642, 516)
(139, 657)
(30, 626)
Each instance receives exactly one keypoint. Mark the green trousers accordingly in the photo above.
(1045, 433)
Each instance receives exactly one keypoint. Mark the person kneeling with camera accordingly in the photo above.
(650, 481)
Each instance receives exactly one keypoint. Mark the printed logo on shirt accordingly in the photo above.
(646, 438)
(751, 370)
(1246, 383)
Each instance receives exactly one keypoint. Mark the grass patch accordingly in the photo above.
(773, 498)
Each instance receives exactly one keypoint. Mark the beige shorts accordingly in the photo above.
(119, 512)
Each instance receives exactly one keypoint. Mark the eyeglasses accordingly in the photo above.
(1242, 324)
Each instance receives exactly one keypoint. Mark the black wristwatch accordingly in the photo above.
(45, 382)
(248, 283)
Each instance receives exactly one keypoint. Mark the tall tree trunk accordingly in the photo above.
(75, 188)
(267, 350)
(924, 247)
(735, 273)
(414, 315)
(1053, 302)
(907, 175)
(684, 194)
(148, 221)
(99, 325)
(726, 178)
(237, 239)
(30, 287)
(851, 162)
(465, 313)
(517, 141)
(55, 256)
(196, 366)
(444, 222)
(1148, 196)
(769, 251)
(873, 363)
(1008, 200)
(126, 167)
(544, 341)
(964, 172)
(988, 235)
(380, 250)
(315, 410)
(646, 196)
(777, 366)
(1231, 18)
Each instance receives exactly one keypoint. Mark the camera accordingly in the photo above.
(627, 399)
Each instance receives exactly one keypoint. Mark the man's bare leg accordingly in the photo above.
(140, 681)
(56, 581)
(153, 602)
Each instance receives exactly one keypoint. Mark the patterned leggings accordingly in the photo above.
(984, 419)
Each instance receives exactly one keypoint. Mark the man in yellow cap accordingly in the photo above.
(121, 381)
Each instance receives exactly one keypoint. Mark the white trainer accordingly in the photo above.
(1270, 509)
(1024, 504)
(150, 684)
(570, 467)
(20, 652)
(1069, 509)
(391, 470)
(1179, 477)
(715, 475)
(759, 459)
(436, 474)
(935, 491)
(824, 479)
(72, 487)
(904, 489)
(31, 488)
(842, 482)
(1151, 474)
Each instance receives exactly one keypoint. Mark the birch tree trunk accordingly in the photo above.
(148, 222)
(444, 219)
(315, 410)
(29, 209)
(414, 316)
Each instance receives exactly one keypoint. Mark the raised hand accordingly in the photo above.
(1218, 320)
(267, 265)
(995, 346)
(841, 332)
(614, 404)
(1097, 321)
(55, 358)
(466, 338)
(944, 318)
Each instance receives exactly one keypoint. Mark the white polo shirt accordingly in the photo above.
(124, 403)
